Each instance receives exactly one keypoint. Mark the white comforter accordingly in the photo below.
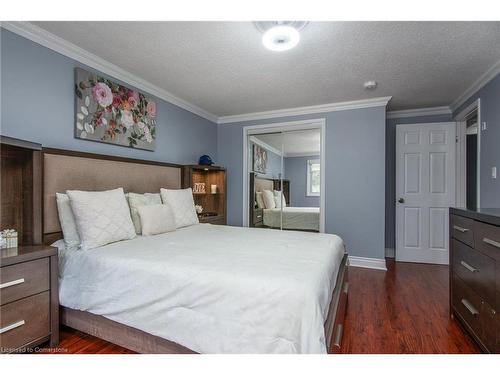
(302, 218)
(213, 289)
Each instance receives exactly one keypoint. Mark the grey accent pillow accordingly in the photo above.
(137, 200)
(156, 219)
(182, 203)
(67, 221)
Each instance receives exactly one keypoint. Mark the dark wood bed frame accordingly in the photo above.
(142, 342)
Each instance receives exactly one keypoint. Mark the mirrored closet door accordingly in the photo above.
(284, 180)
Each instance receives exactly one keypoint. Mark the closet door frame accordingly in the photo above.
(317, 123)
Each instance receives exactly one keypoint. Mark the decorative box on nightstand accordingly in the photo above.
(29, 299)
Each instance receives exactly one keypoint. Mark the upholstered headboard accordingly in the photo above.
(262, 184)
(66, 170)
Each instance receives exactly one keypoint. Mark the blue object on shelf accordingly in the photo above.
(205, 160)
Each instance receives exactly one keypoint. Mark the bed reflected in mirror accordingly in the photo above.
(285, 180)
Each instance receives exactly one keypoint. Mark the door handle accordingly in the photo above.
(401, 200)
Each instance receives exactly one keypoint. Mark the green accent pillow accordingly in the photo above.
(137, 200)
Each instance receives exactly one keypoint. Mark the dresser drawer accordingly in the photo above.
(475, 269)
(489, 324)
(467, 303)
(24, 321)
(24, 279)
(462, 229)
(487, 239)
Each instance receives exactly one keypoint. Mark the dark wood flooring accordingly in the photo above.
(403, 310)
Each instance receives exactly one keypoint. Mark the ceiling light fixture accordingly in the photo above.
(280, 36)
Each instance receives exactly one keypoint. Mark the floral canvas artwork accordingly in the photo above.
(259, 159)
(113, 113)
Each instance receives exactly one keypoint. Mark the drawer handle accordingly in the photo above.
(338, 336)
(468, 266)
(259, 216)
(11, 283)
(469, 307)
(460, 229)
(491, 242)
(12, 326)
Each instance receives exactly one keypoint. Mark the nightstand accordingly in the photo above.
(29, 297)
(258, 217)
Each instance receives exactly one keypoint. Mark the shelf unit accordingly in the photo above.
(214, 204)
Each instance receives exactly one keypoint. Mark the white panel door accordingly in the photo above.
(425, 188)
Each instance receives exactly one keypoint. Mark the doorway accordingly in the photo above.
(425, 189)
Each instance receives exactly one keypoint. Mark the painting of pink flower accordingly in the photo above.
(109, 112)
(102, 94)
(151, 109)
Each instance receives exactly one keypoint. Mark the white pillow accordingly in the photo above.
(101, 217)
(137, 200)
(67, 221)
(182, 203)
(268, 199)
(156, 219)
(279, 202)
(259, 199)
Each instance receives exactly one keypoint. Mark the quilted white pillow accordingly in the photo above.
(67, 221)
(182, 203)
(156, 219)
(268, 199)
(101, 217)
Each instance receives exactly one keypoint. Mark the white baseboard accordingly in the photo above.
(374, 263)
(390, 252)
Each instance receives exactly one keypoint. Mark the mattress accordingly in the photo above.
(212, 289)
(301, 218)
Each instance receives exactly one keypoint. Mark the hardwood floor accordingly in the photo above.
(403, 310)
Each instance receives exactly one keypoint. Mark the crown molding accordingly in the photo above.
(430, 111)
(265, 145)
(302, 154)
(476, 86)
(57, 44)
(331, 107)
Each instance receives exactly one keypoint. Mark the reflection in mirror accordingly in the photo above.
(284, 180)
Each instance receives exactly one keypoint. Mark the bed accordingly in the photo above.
(294, 218)
(193, 290)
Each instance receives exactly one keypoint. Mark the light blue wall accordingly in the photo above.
(296, 172)
(273, 163)
(355, 175)
(490, 141)
(390, 170)
(37, 104)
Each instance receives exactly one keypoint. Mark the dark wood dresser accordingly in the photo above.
(29, 311)
(475, 274)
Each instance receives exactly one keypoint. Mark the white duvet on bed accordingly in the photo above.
(213, 289)
(303, 218)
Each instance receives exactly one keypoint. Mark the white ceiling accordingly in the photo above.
(223, 68)
(295, 143)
